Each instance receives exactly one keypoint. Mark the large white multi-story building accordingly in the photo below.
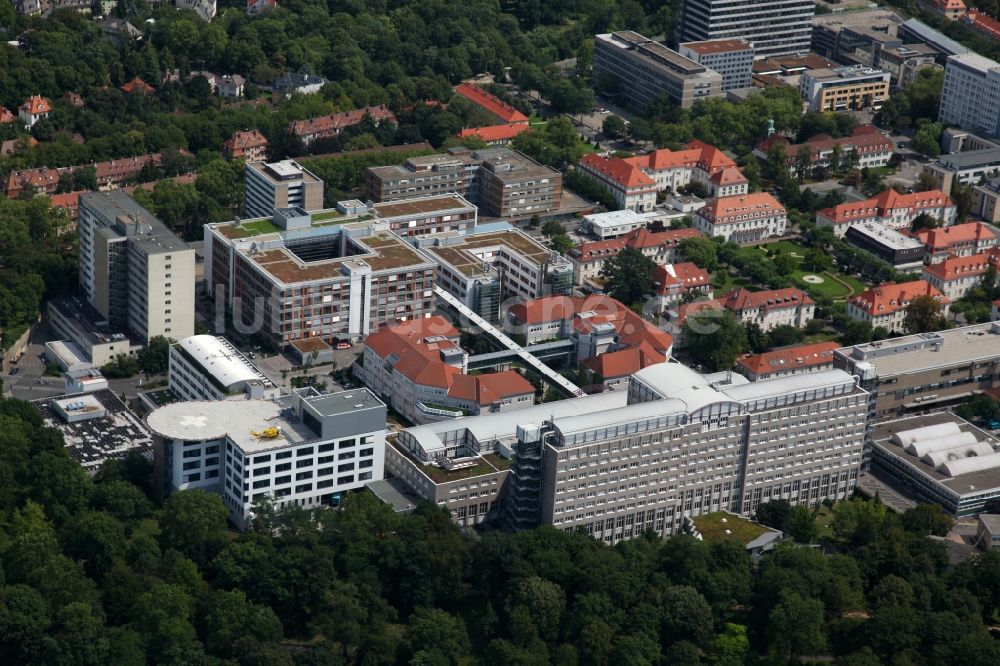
(744, 218)
(680, 444)
(304, 449)
(733, 58)
(770, 308)
(133, 269)
(204, 367)
(954, 277)
(970, 96)
(774, 27)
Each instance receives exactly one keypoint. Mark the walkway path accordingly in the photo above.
(525, 356)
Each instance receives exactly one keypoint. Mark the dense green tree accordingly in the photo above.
(701, 251)
(154, 357)
(194, 523)
(924, 314)
(627, 275)
(715, 338)
(801, 524)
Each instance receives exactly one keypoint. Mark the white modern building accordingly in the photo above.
(774, 27)
(970, 96)
(304, 449)
(733, 58)
(614, 223)
(276, 185)
(133, 269)
(205, 367)
(681, 444)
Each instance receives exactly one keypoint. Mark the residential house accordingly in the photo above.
(110, 174)
(494, 135)
(958, 240)
(74, 100)
(793, 360)
(11, 146)
(491, 104)
(663, 247)
(985, 25)
(324, 127)
(885, 305)
(6, 116)
(894, 210)
(611, 341)
(137, 85)
(34, 109)
(420, 370)
(230, 85)
(119, 31)
(255, 7)
(250, 146)
(673, 283)
(770, 308)
(949, 9)
(303, 84)
(205, 9)
(744, 218)
(867, 146)
(954, 277)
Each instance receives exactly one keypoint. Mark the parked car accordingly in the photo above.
(343, 345)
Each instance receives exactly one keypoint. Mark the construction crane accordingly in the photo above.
(266, 433)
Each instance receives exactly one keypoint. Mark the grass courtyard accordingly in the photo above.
(722, 526)
(831, 284)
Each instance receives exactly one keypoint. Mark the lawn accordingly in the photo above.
(262, 226)
(713, 528)
(326, 215)
(834, 285)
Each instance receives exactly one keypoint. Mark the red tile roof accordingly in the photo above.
(982, 24)
(650, 344)
(694, 154)
(332, 124)
(883, 205)
(866, 139)
(8, 147)
(731, 209)
(728, 176)
(685, 275)
(943, 238)
(490, 103)
(639, 239)
(70, 201)
(6, 116)
(137, 85)
(892, 297)
(618, 171)
(240, 142)
(773, 299)
(494, 132)
(685, 310)
(110, 172)
(958, 267)
(35, 105)
(487, 389)
(799, 356)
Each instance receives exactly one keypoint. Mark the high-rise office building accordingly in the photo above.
(774, 27)
(133, 269)
(970, 96)
(285, 184)
(733, 58)
(639, 69)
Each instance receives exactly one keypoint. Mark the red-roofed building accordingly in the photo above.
(70, 201)
(499, 109)
(109, 175)
(629, 179)
(9, 147)
(958, 240)
(794, 360)
(600, 327)
(949, 9)
(418, 367)
(885, 305)
(250, 146)
(675, 318)
(137, 85)
(770, 308)
(894, 210)
(35, 108)
(325, 127)
(983, 24)
(494, 135)
(673, 282)
(871, 147)
(663, 247)
(6, 116)
(745, 218)
(954, 277)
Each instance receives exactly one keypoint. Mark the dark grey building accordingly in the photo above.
(903, 252)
